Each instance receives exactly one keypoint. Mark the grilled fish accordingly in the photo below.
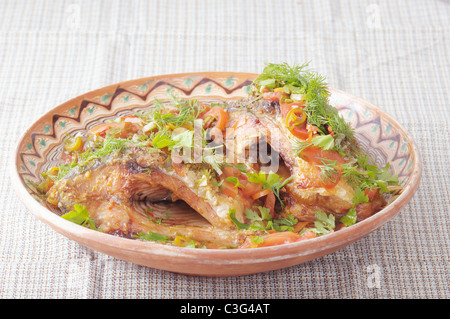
(275, 167)
(129, 194)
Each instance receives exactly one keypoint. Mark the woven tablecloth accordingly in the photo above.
(394, 54)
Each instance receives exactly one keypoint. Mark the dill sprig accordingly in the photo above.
(187, 112)
(298, 79)
(360, 174)
(328, 170)
(109, 145)
(283, 73)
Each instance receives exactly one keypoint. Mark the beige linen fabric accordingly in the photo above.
(395, 54)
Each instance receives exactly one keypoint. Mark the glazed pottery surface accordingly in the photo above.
(40, 148)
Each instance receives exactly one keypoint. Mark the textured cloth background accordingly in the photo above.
(395, 54)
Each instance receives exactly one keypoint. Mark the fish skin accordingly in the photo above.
(111, 187)
(110, 192)
(305, 197)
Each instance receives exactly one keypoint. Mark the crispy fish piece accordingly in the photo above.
(115, 191)
(304, 193)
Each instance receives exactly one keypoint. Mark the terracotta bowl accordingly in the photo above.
(40, 147)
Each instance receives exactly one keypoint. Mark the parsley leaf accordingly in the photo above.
(151, 236)
(323, 223)
(234, 180)
(285, 224)
(257, 239)
(264, 221)
(239, 225)
(162, 141)
(256, 220)
(80, 216)
(184, 139)
(360, 197)
(325, 142)
(271, 180)
(349, 218)
(386, 175)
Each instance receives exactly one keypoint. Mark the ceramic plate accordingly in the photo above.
(40, 147)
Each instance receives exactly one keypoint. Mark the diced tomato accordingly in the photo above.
(229, 189)
(149, 213)
(100, 129)
(376, 202)
(127, 129)
(286, 107)
(240, 122)
(216, 113)
(132, 119)
(259, 192)
(249, 190)
(318, 156)
(301, 132)
(330, 130)
(204, 108)
(372, 194)
(299, 226)
(272, 96)
(230, 171)
(174, 111)
(279, 238)
(67, 158)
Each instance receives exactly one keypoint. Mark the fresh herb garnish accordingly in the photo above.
(262, 220)
(271, 180)
(323, 224)
(239, 225)
(258, 221)
(64, 169)
(234, 180)
(328, 170)
(366, 176)
(283, 224)
(273, 75)
(151, 236)
(359, 197)
(110, 145)
(349, 218)
(298, 80)
(80, 216)
(325, 142)
(161, 141)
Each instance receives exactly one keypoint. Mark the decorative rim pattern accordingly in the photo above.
(44, 139)
(42, 143)
(378, 133)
